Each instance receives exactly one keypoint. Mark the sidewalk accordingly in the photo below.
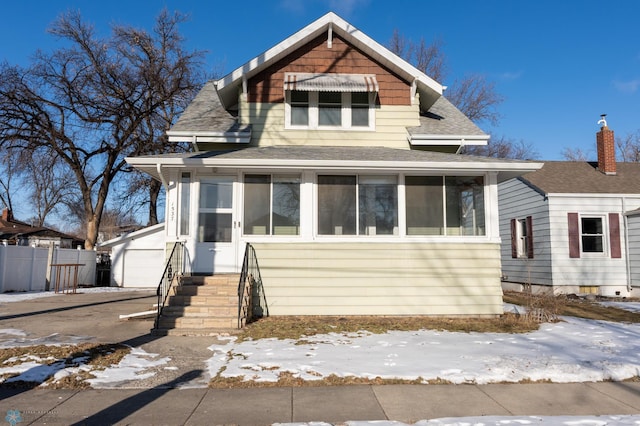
(157, 401)
(264, 406)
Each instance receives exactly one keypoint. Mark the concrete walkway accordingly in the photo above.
(404, 403)
(157, 401)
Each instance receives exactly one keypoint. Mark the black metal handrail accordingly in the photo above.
(173, 269)
(252, 302)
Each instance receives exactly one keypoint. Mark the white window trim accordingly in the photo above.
(270, 236)
(314, 114)
(605, 236)
(521, 238)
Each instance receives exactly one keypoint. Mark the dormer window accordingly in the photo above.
(330, 101)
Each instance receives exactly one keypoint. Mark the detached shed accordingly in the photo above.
(137, 259)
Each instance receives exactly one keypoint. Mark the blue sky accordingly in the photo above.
(558, 64)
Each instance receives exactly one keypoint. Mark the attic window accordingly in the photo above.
(330, 101)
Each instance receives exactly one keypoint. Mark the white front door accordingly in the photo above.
(216, 240)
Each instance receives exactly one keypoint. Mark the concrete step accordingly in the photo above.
(230, 321)
(203, 300)
(201, 311)
(209, 290)
(194, 331)
(211, 279)
(201, 306)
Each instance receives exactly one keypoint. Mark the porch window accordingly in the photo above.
(465, 205)
(271, 205)
(449, 205)
(215, 210)
(425, 206)
(378, 205)
(336, 205)
(185, 202)
(357, 205)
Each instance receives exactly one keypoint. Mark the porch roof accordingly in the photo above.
(338, 158)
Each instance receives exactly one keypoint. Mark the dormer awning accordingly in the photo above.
(311, 82)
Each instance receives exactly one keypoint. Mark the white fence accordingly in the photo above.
(25, 268)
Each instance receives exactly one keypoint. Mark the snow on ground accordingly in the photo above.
(500, 421)
(30, 295)
(575, 350)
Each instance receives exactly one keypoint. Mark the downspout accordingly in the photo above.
(460, 147)
(166, 189)
(164, 182)
(627, 257)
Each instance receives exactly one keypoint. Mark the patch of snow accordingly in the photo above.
(30, 295)
(576, 350)
(627, 306)
(136, 365)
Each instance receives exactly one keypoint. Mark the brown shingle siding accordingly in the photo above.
(316, 57)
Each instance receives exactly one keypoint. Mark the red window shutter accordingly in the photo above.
(614, 235)
(529, 222)
(574, 235)
(514, 238)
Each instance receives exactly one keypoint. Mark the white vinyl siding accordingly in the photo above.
(633, 233)
(381, 278)
(517, 201)
(552, 263)
(591, 269)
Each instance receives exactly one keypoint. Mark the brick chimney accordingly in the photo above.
(7, 216)
(606, 149)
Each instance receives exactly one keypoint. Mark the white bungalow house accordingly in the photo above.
(337, 161)
(570, 226)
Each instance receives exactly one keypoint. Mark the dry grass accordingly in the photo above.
(97, 356)
(299, 327)
(287, 379)
(564, 305)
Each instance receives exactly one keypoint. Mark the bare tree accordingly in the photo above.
(473, 94)
(48, 185)
(574, 154)
(504, 148)
(90, 103)
(629, 147)
(10, 170)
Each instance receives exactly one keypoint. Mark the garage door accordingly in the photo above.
(142, 268)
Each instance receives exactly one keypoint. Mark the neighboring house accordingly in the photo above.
(15, 232)
(566, 228)
(336, 160)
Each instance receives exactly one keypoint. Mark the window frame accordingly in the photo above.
(522, 243)
(313, 112)
(445, 229)
(603, 235)
(357, 210)
(270, 228)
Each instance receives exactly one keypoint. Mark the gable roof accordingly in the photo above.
(330, 23)
(581, 177)
(208, 117)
